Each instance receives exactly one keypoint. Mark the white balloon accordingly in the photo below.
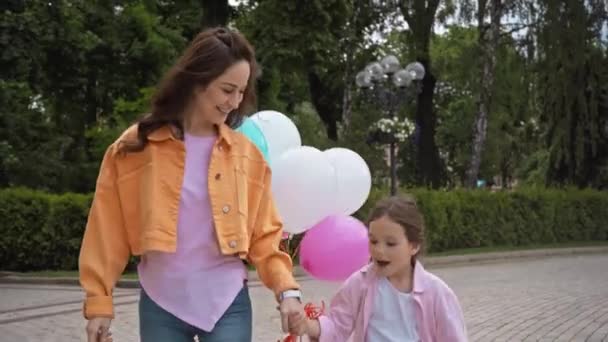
(353, 179)
(280, 132)
(304, 188)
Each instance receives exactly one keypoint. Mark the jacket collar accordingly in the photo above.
(420, 276)
(163, 133)
(370, 274)
(169, 132)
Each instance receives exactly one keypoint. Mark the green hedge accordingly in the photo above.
(466, 219)
(39, 231)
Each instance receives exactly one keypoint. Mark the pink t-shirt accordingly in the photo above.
(197, 283)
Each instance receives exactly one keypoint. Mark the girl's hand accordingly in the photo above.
(313, 328)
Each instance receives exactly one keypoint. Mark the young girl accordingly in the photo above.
(393, 298)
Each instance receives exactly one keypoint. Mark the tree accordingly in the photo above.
(215, 13)
(421, 16)
(574, 92)
(489, 36)
(454, 56)
(77, 58)
(512, 131)
(31, 154)
(308, 51)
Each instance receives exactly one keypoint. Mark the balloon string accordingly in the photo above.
(312, 312)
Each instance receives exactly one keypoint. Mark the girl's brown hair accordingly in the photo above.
(207, 57)
(402, 210)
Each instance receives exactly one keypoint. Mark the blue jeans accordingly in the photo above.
(158, 325)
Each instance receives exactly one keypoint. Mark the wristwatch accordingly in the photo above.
(290, 294)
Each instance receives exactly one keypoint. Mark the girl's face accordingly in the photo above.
(389, 247)
(223, 95)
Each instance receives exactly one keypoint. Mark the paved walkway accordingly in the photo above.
(548, 299)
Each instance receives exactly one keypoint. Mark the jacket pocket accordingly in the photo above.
(242, 191)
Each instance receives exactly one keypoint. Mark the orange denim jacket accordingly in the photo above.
(136, 203)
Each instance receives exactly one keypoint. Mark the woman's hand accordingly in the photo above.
(292, 315)
(98, 330)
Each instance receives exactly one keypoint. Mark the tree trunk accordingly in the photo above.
(488, 42)
(324, 102)
(347, 100)
(420, 17)
(347, 96)
(428, 162)
(349, 71)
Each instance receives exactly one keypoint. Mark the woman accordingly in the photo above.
(193, 198)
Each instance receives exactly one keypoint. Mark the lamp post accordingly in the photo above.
(386, 85)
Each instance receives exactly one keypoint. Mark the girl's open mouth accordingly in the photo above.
(382, 263)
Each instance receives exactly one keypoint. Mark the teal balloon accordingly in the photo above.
(251, 130)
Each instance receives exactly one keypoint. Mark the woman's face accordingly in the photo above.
(222, 95)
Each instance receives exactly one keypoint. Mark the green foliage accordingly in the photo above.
(355, 137)
(107, 130)
(310, 127)
(42, 231)
(530, 216)
(511, 131)
(76, 73)
(308, 51)
(67, 65)
(574, 93)
(24, 213)
(454, 55)
(30, 151)
(534, 170)
(39, 230)
(64, 228)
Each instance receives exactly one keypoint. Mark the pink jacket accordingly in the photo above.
(438, 313)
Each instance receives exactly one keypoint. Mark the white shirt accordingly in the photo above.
(393, 317)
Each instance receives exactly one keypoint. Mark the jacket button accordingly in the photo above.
(226, 209)
(232, 244)
(218, 176)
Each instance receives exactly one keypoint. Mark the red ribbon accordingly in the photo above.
(312, 312)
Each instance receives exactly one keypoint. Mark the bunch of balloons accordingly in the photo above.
(315, 192)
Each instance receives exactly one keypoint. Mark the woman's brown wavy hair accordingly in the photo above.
(207, 57)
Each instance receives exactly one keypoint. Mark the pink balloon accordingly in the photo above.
(335, 248)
